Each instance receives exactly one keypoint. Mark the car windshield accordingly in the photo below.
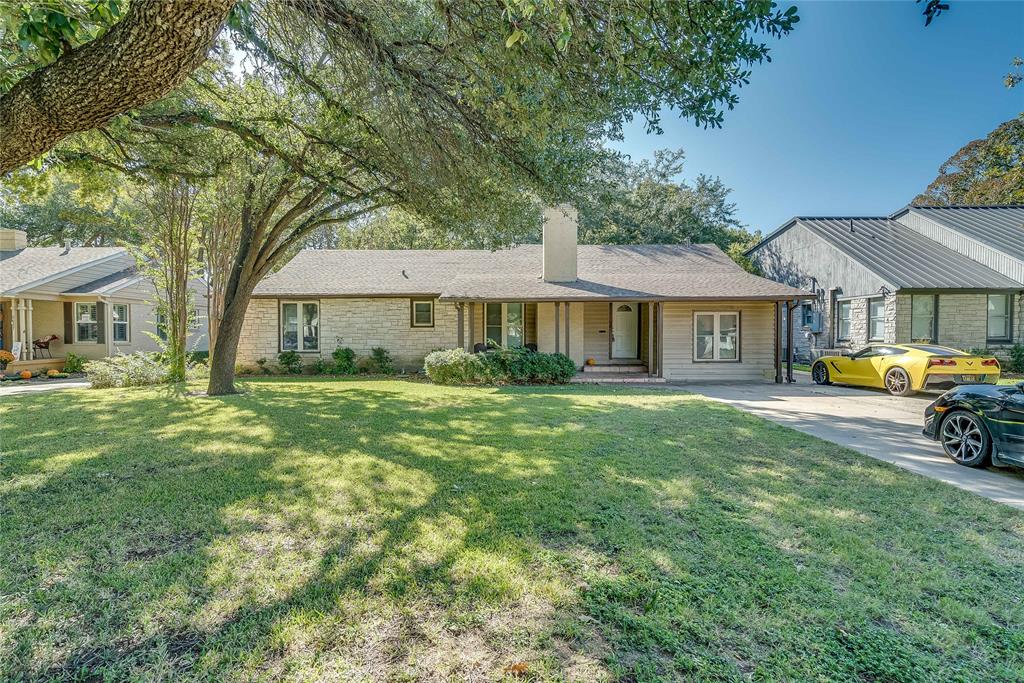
(936, 350)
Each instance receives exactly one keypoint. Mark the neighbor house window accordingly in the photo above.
(120, 321)
(422, 314)
(807, 315)
(86, 327)
(922, 317)
(161, 325)
(999, 317)
(876, 319)
(716, 336)
(300, 326)
(505, 325)
(843, 312)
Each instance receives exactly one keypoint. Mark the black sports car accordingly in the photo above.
(978, 423)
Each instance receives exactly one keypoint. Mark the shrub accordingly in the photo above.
(501, 366)
(344, 361)
(131, 370)
(319, 367)
(382, 359)
(74, 363)
(1016, 359)
(290, 361)
(262, 364)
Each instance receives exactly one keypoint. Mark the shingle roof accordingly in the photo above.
(604, 271)
(33, 264)
(903, 257)
(1000, 227)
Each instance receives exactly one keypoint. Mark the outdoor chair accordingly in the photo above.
(40, 345)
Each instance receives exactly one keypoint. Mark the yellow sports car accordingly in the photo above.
(902, 369)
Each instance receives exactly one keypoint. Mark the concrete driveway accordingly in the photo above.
(871, 422)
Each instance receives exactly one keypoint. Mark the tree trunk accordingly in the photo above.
(222, 362)
(140, 59)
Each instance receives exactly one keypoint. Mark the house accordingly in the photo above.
(91, 298)
(949, 275)
(677, 312)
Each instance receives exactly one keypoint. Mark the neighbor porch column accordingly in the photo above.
(29, 350)
(461, 334)
(567, 325)
(661, 339)
(558, 333)
(778, 342)
(472, 325)
(790, 307)
(650, 338)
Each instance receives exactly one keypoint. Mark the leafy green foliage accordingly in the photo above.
(379, 362)
(499, 366)
(1016, 359)
(344, 361)
(74, 363)
(290, 361)
(986, 171)
(137, 369)
(319, 367)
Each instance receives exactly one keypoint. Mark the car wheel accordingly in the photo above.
(897, 382)
(819, 373)
(965, 439)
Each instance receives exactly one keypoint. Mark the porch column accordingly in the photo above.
(460, 335)
(558, 308)
(650, 338)
(567, 324)
(29, 350)
(20, 336)
(790, 307)
(661, 339)
(778, 342)
(472, 325)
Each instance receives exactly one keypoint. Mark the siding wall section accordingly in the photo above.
(997, 261)
(757, 343)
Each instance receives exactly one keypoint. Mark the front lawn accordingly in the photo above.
(385, 530)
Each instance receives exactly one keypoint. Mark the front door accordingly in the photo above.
(625, 319)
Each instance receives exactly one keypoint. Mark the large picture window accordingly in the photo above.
(922, 318)
(300, 326)
(505, 325)
(121, 322)
(86, 327)
(999, 317)
(844, 310)
(876, 319)
(716, 336)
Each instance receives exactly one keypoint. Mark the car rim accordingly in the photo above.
(961, 437)
(819, 373)
(896, 382)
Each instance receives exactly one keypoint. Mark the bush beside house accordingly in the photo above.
(500, 366)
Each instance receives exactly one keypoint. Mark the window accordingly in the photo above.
(120, 320)
(422, 314)
(300, 326)
(716, 336)
(843, 310)
(161, 325)
(505, 325)
(876, 318)
(86, 327)
(999, 317)
(922, 317)
(807, 315)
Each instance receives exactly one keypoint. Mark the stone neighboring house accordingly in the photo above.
(680, 312)
(948, 275)
(91, 298)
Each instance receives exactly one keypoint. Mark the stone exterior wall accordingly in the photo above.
(963, 320)
(360, 324)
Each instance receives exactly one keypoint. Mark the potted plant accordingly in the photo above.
(5, 358)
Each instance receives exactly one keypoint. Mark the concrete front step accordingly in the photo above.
(615, 369)
(616, 378)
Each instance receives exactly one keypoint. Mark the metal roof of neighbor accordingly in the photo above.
(34, 265)
(901, 256)
(999, 227)
(696, 271)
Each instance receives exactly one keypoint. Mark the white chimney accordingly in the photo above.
(12, 240)
(560, 243)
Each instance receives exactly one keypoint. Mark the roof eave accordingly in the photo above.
(14, 291)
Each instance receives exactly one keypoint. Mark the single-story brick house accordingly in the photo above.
(678, 312)
(91, 298)
(950, 275)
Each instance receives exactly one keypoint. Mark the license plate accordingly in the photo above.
(969, 379)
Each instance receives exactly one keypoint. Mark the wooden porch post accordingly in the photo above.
(558, 332)
(472, 325)
(661, 339)
(29, 350)
(567, 324)
(778, 342)
(460, 335)
(789, 341)
(650, 338)
(20, 336)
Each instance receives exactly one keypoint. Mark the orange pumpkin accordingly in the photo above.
(25, 374)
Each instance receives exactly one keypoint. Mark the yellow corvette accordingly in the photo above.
(902, 369)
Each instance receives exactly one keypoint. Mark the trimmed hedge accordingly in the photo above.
(500, 366)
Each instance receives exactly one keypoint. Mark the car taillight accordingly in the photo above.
(941, 361)
(990, 362)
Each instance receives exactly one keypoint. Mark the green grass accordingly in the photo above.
(384, 530)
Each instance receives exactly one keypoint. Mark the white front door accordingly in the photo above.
(624, 329)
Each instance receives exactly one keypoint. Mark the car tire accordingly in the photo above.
(965, 439)
(897, 382)
(819, 373)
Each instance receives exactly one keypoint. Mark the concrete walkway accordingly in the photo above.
(871, 422)
(12, 388)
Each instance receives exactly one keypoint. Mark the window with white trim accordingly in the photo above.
(844, 309)
(716, 336)
(86, 327)
(876, 319)
(120, 318)
(505, 324)
(300, 326)
(998, 317)
(422, 313)
(161, 325)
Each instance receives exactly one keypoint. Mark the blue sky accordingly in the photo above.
(857, 110)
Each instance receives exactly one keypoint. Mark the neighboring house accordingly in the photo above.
(947, 275)
(681, 312)
(91, 298)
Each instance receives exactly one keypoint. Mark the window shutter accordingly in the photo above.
(101, 322)
(69, 322)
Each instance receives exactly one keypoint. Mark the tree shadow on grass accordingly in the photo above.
(380, 530)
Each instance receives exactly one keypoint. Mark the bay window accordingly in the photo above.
(998, 317)
(300, 326)
(716, 336)
(86, 327)
(505, 325)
